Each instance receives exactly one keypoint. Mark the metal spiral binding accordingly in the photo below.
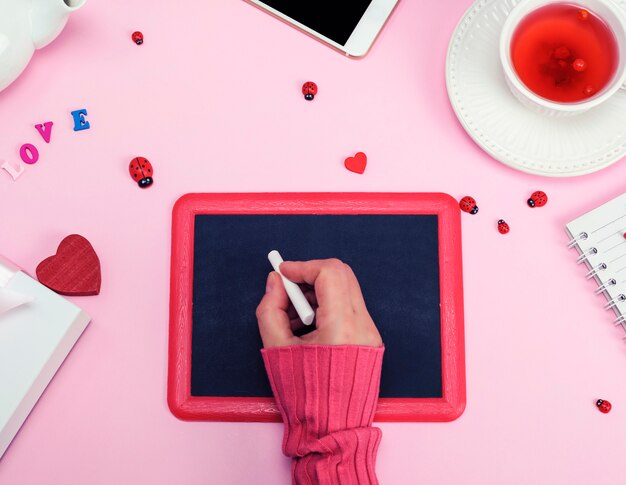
(604, 287)
(581, 237)
(595, 270)
(615, 301)
(586, 254)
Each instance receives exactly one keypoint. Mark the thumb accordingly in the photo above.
(272, 314)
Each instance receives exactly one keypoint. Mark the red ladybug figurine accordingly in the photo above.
(603, 406)
(468, 204)
(141, 171)
(309, 89)
(503, 227)
(137, 38)
(538, 199)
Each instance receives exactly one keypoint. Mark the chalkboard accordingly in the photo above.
(396, 256)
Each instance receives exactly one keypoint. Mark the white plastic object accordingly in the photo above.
(26, 25)
(35, 338)
(299, 301)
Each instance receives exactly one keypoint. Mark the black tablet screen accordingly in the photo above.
(331, 18)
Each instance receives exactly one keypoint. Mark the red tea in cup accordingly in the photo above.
(564, 53)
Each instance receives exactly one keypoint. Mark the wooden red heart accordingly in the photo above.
(356, 163)
(74, 270)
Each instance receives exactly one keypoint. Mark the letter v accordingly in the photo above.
(45, 130)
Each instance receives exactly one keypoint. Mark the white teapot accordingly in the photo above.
(26, 25)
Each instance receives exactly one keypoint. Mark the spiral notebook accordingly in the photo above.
(599, 236)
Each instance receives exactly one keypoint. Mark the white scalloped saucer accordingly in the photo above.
(503, 127)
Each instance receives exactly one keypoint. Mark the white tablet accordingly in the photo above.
(347, 25)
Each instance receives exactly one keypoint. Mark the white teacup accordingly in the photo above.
(606, 10)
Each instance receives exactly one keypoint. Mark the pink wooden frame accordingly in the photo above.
(188, 407)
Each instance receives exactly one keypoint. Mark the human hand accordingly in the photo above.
(341, 317)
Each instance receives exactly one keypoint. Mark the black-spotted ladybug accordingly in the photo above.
(603, 405)
(309, 89)
(141, 171)
(468, 204)
(137, 38)
(538, 199)
(503, 227)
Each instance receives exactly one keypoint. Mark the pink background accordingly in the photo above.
(213, 100)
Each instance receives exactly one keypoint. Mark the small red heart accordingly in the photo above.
(356, 163)
(74, 270)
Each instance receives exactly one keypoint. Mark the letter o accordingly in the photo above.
(29, 153)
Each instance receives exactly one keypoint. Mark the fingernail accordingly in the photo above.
(270, 283)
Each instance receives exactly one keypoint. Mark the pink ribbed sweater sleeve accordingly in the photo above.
(327, 396)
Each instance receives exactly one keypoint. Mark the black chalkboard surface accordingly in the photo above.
(395, 258)
(405, 249)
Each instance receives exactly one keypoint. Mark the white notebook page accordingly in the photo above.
(601, 246)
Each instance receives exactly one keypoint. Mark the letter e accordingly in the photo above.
(80, 123)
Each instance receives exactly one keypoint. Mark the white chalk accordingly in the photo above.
(300, 303)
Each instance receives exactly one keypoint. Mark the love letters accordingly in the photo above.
(29, 152)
